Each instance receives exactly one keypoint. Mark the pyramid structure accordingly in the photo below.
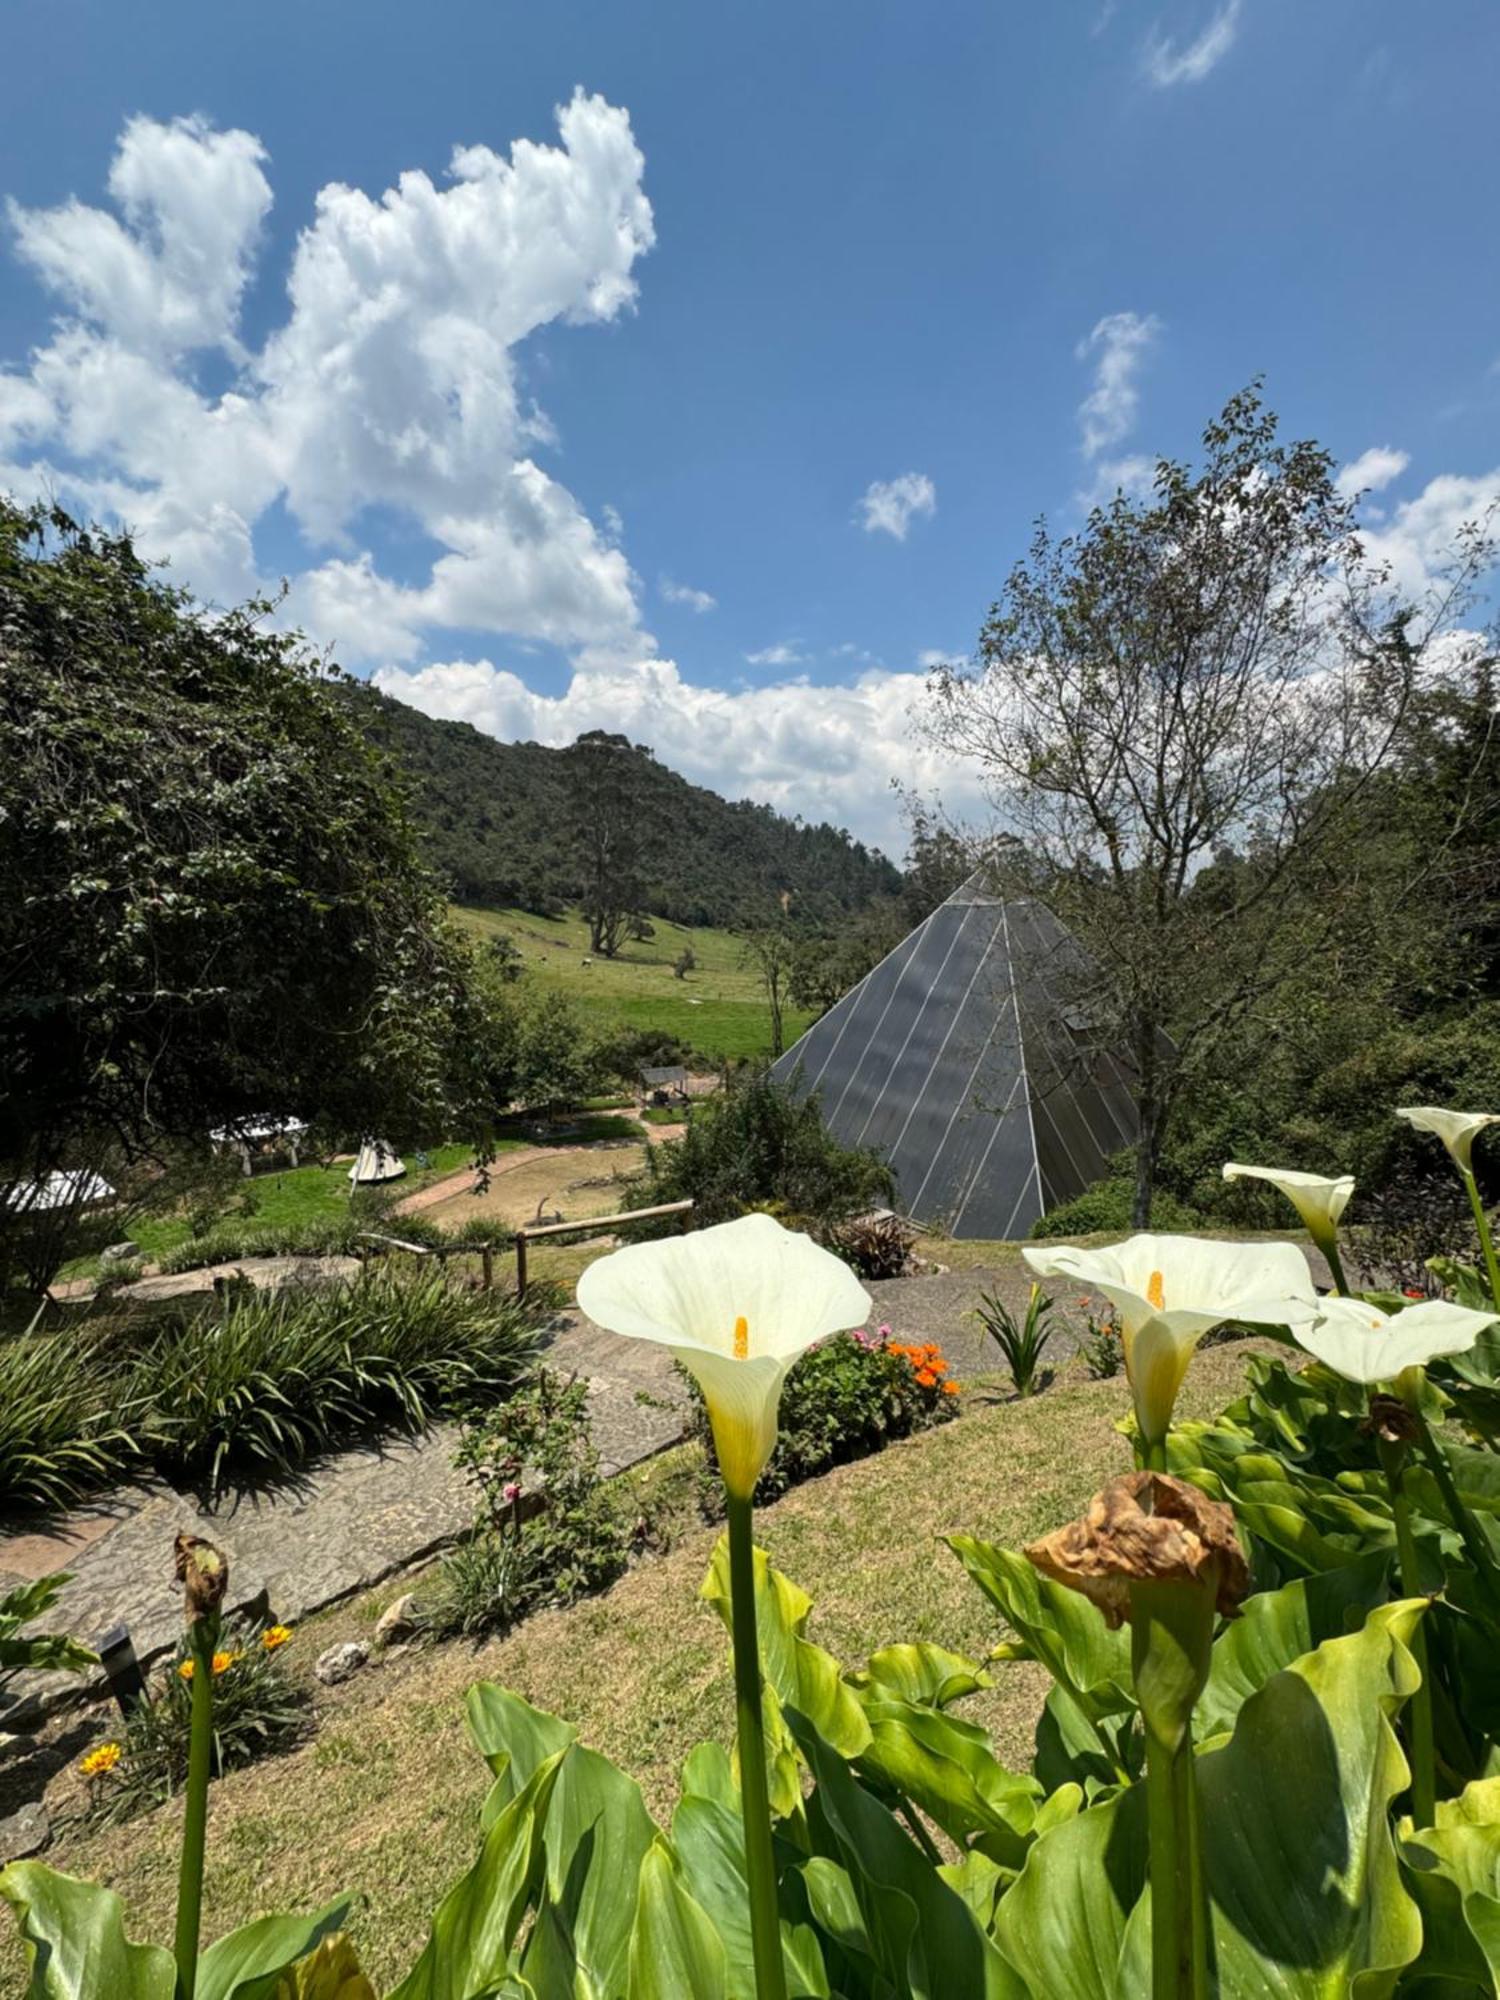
(964, 1060)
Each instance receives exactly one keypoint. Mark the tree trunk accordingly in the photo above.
(1150, 1118)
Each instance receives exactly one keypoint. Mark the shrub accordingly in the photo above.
(1106, 1207)
(258, 1709)
(624, 1051)
(842, 1400)
(561, 1540)
(1102, 1347)
(1022, 1341)
(875, 1246)
(64, 1417)
(758, 1145)
(271, 1377)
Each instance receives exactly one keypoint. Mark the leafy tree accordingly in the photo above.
(556, 1064)
(610, 836)
(684, 963)
(216, 906)
(756, 1145)
(503, 956)
(770, 951)
(1184, 712)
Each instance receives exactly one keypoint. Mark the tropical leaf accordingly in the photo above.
(708, 1838)
(76, 1947)
(332, 1972)
(674, 1949)
(946, 1768)
(802, 1674)
(923, 1673)
(513, 1738)
(1453, 1870)
(468, 1950)
(253, 1962)
(1059, 1627)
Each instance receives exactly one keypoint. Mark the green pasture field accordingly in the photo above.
(719, 1008)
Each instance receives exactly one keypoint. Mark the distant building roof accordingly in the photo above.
(263, 1127)
(66, 1189)
(665, 1079)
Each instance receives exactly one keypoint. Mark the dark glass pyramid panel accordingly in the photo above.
(955, 1058)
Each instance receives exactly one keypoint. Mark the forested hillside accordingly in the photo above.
(497, 817)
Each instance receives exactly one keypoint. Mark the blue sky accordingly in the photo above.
(713, 413)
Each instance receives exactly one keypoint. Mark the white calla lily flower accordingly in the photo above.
(1457, 1129)
(1171, 1290)
(1367, 1345)
(736, 1304)
(1318, 1200)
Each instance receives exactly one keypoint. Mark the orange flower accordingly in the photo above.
(926, 1379)
(222, 1662)
(185, 1669)
(950, 1388)
(274, 1636)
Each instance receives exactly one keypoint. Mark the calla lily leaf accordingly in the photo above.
(252, 1962)
(1060, 1627)
(923, 1673)
(708, 1838)
(1453, 1870)
(74, 1933)
(674, 1948)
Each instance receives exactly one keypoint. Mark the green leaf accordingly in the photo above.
(250, 1963)
(1061, 1628)
(708, 1837)
(924, 1936)
(947, 1769)
(76, 1946)
(1277, 1627)
(923, 1673)
(674, 1949)
(802, 1674)
(468, 1950)
(1453, 1870)
(513, 1738)
(331, 1973)
(595, 1833)
(1305, 1891)
(1070, 1749)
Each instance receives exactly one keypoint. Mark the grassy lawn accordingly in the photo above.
(718, 1008)
(384, 1800)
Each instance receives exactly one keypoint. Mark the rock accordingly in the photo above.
(339, 1663)
(397, 1619)
(25, 1832)
(120, 1253)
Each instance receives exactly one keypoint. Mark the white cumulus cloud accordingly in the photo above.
(889, 506)
(1117, 347)
(1166, 64)
(1372, 471)
(684, 593)
(784, 653)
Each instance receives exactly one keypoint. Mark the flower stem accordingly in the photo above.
(203, 1636)
(1423, 1757)
(1479, 1552)
(760, 1862)
(1153, 1454)
(1171, 1632)
(1486, 1240)
(1329, 1245)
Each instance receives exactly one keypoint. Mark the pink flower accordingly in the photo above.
(884, 1330)
(511, 1494)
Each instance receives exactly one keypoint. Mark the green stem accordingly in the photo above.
(1478, 1549)
(1423, 1757)
(1170, 1962)
(1330, 1249)
(1171, 1633)
(202, 1637)
(755, 1803)
(1486, 1240)
(1153, 1454)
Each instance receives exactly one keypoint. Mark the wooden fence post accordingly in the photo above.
(520, 1264)
(487, 1258)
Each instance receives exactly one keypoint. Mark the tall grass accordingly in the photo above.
(257, 1380)
(271, 1377)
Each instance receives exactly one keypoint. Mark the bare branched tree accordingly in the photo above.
(1178, 714)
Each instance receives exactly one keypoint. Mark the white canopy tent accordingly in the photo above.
(375, 1163)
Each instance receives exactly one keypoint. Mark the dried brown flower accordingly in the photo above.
(1391, 1421)
(1146, 1527)
(203, 1572)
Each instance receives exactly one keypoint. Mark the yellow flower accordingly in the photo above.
(222, 1662)
(274, 1636)
(185, 1669)
(101, 1760)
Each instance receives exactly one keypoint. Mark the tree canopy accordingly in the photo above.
(216, 905)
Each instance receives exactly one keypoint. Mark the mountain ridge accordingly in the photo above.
(494, 817)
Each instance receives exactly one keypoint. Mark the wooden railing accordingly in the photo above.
(527, 1232)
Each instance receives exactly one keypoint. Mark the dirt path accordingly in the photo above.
(463, 1181)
